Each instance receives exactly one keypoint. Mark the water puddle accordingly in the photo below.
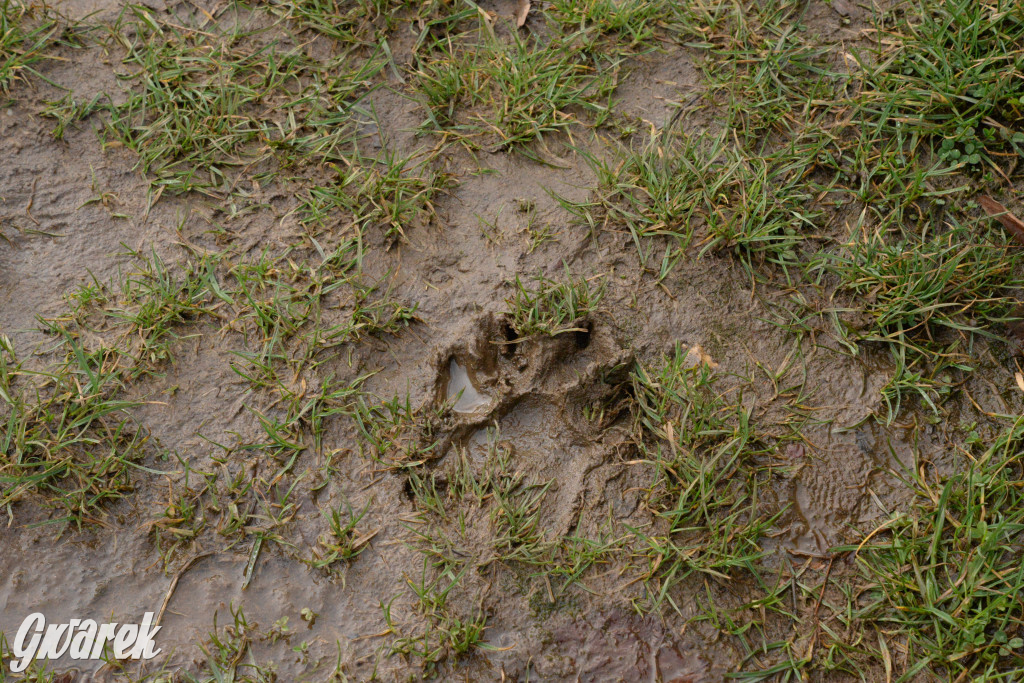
(460, 387)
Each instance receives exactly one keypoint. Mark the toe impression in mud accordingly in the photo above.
(487, 371)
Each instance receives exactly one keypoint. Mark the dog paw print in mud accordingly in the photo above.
(546, 398)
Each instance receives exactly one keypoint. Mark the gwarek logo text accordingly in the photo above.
(81, 639)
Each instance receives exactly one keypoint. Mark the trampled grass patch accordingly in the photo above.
(952, 72)
(27, 30)
(607, 27)
(926, 295)
(206, 104)
(706, 192)
(946, 577)
(513, 90)
(703, 449)
(67, 434)
(388, 193)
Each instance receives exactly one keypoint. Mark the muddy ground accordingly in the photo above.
(828, 460)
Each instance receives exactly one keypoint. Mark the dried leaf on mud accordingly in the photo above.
(697, 355)
(1001, 214)
(522, 11)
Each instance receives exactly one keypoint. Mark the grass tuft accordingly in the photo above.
(704, 452)
(27, 29)
(550, 307)
(947, 575)
(65, 433)
(954, 74)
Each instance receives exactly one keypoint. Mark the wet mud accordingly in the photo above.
(477, 384)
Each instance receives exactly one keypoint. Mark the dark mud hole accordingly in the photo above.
(529, 396)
